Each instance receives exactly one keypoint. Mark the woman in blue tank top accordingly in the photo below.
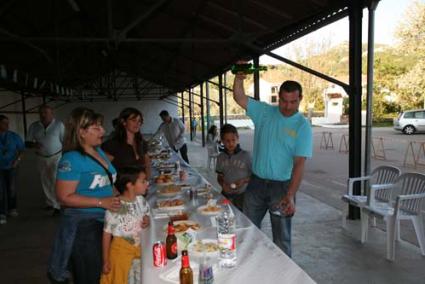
(84, 188)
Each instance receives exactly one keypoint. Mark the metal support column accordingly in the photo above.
(182, 106)
(24, 114)
(225, 96)
(355, 98)
(207, 95)
(202, 115)
(369, 94)
(190, 113)
(220, 98)
(256, 79)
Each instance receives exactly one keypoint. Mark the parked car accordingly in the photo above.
(410, 122)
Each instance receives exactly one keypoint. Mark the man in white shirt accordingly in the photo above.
(173, 130)
(46, 136)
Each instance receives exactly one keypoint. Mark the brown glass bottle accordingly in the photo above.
(171, 242)
(186, 273)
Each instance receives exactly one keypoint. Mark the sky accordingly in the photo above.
(388, 15)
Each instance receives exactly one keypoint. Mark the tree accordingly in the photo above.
(411, 33)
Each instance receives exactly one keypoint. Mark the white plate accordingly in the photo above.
(201, 210)
(176, 207)
(189, 222)
(192, 248)
(161, 192)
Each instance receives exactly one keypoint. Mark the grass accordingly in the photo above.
(382, 124)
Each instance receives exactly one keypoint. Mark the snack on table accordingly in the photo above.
(179, 216)
(164, 178)
(183, 226)
(208, 246)
(211, 208)
(170, 203)
(170, 190)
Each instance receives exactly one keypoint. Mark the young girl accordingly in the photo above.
(123, 228)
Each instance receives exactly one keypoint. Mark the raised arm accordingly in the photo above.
(239, 92)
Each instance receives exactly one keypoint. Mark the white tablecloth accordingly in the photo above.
(259, 260)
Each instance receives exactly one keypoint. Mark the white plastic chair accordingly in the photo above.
(212, 155)
(407, 206)
(382, 175)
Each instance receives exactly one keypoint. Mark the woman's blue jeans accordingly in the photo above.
(78, 245)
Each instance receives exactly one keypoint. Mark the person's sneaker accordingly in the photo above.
(3, 219)
(13, 213)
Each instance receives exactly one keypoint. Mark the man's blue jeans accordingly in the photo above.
(7, 190)
(260, 195)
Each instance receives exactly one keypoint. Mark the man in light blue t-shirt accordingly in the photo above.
(282, 142)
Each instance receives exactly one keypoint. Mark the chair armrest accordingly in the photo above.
(411, 196)
(375, 187)
(351, 182)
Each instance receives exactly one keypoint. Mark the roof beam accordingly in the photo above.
(272, 10)
(143, 17)
(217, 24)
(64, 40)
(235, 14)
(297, 65)
(26, 42)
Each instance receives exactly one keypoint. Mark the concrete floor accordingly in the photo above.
(321, 247)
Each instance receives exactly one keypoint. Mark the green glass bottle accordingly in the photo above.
(247, 68)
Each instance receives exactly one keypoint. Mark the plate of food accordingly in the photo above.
(203, 190)
(207, 246)
(170, 204)
(211, 208)
(184, 225)
(170, 190)
(178, 215)
(164, 179)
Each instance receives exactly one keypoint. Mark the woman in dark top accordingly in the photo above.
(127, 147)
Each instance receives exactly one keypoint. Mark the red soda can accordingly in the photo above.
(159, 254)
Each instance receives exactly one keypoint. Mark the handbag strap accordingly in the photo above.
(111, 179)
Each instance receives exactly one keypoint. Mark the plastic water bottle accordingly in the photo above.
(226, 235)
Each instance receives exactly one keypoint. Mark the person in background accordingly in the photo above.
(121, 233)
(282, 143)
(193, 125)
(233, 166)
(212, 135)
(84, 187)
(127, 148)
(11, 150)
(115, 123)
(173, 130)
(46, 136)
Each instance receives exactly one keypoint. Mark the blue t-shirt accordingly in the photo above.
(277, 140)
(92, 179)
(10, 145)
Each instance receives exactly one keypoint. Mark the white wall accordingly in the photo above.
(265, 91)
(110, 110)
(16, 123)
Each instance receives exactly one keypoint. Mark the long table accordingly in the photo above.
(259, 260)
